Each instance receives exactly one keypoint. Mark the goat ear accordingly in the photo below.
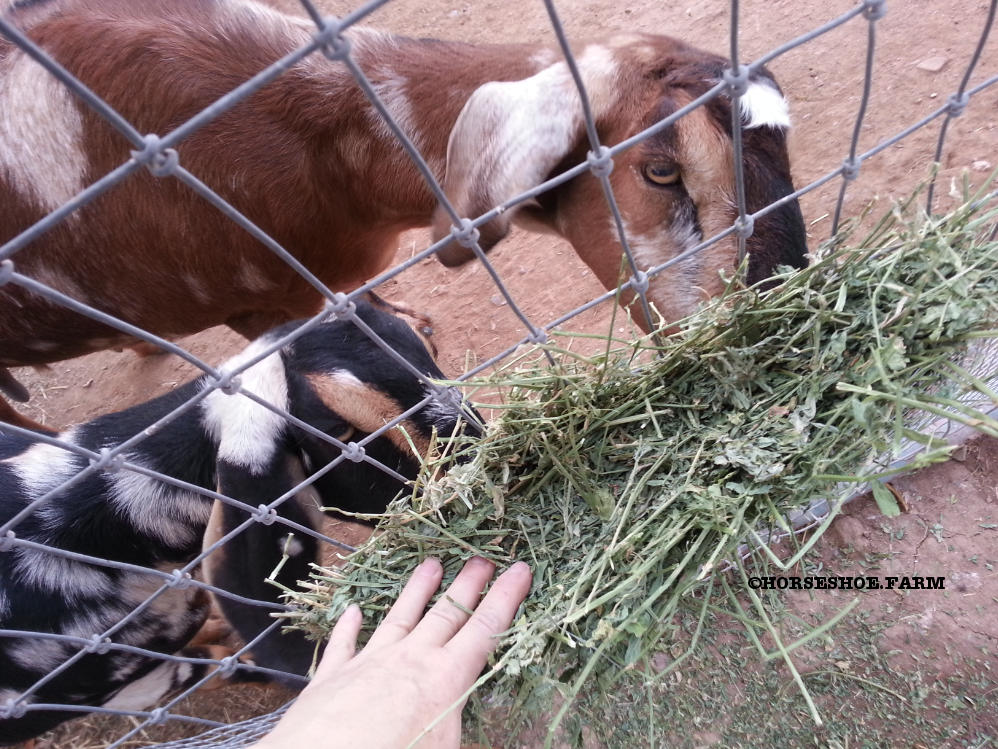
(244, 563)
(507, 139)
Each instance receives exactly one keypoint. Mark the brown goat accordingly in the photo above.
(308, 159)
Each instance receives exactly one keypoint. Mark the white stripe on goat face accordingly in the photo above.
(41, 130)
(663, 242)
(763, 105)
(247, 433)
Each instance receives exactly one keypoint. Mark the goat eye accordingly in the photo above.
(660, 174)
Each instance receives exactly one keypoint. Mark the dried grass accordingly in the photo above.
(628, 479)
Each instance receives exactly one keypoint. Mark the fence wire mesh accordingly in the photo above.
(161, 154)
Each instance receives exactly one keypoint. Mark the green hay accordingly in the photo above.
(628, 479)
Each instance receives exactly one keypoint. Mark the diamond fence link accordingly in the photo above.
(158, 154)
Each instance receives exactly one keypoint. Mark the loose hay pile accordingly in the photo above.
(628, 480)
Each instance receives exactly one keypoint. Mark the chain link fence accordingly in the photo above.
(158, 153)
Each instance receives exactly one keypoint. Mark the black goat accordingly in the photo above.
(334, 378)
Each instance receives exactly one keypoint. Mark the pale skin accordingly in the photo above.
(417, 666)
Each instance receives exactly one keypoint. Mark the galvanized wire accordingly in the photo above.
(600, 162)
(157, 153)
(957, 102)
(873, 11)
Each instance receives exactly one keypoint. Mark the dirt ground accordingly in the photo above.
(950, 529)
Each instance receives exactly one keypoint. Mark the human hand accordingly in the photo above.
(414, 669)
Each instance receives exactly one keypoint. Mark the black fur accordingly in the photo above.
(156, 525)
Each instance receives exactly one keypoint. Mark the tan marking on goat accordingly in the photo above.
(709, 178)
(213, 533)
(366, 408)
(308, 498)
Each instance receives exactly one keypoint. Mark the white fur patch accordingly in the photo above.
(157, 509)
(542, 58)
(444, 408)
(246, 432)
(346, 378)
(598, 68)
(654, 248)
(11, 695)
(514, 132)
(392, 91)
(763, 105)
(41, 130)
(240, 12)
(71, 580)
(148, 690)
(39, 655)
(43, 467)
(58, 280)
(197, 288)
(253, 279)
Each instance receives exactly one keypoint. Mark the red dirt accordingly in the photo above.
(823, 80)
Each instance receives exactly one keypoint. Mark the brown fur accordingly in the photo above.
(367, 409)
(309, 162)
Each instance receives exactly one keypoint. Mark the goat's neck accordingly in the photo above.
(424, 84)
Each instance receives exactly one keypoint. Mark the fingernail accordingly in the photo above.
(520, 568)
(479, 561)
(429, 566)
(353, 610)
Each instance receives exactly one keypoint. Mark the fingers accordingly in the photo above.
(411, 604)
(448, 614)
(494, 615)
(342, 642)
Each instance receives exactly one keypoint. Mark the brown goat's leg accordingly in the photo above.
(11, 416)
